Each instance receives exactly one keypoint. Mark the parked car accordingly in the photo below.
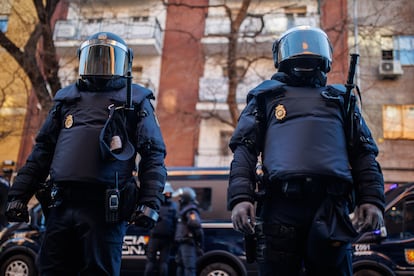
(374, 255)
(19, 244)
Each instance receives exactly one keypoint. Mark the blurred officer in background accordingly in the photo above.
(88, 145)
(162, 235)
(4, 189)
(189, 234)
(314, 155)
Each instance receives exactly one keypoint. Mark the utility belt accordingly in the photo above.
(118, 203)
(186, 240)
(71, 191)
(300, 187)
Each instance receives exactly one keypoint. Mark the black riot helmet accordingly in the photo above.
(187, 195)
(104, 55)
(168, 190)
(303, 49)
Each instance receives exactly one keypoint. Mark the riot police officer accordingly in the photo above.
(4, 189)
(189, 235)
(88, 146)
(162, 235)
(314, 157)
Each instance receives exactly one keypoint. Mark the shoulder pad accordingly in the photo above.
(264, 87)
(338, 87)
(68, 93)
(138, 94)
(188, 208)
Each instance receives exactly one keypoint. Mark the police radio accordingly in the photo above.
(112, 203)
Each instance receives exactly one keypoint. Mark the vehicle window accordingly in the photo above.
(204, 198)
(399, 220)
(393, 221)
(409, 218)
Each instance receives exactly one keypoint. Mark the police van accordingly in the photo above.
(374, 255)
(224, 247)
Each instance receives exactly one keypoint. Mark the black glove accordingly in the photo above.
(16, 211)
(145, 217)
(243, 217)
(367, 217)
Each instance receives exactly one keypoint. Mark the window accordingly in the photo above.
(398, 121)
(387, 48)
(140, 18)
(294, 12)
(404, 49)
(409, 218)
(399, 48)
(203, 198)
(4, 22)
(399, 220)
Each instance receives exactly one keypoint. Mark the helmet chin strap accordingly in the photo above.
(96, 83)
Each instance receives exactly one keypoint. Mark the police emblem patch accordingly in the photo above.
(69, 121)
(280, 112)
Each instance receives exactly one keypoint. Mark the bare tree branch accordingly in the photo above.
(42, 72)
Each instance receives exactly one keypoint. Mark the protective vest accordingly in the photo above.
(304, 132)
(82, 115)
(166, 223)
(187, 230)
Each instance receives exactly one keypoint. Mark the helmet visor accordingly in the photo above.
(305, 42)
(103, 59)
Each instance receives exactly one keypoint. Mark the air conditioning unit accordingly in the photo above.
(390, 69)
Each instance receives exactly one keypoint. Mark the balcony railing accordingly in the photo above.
(216, 89)
(142, 34)
(217, 27)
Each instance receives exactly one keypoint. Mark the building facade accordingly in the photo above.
(183, 52)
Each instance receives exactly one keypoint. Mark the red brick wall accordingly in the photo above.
(333, 19)
(182, 65)
(181, 68)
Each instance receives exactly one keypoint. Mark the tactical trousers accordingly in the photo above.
(186, 259)
(281, 252)
(284, 247)
(78, 241)
(163, 246)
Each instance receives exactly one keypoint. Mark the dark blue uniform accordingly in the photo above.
(4, 189)
(162, 239)
(78, 236)
(189, 236)
(309, 175)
